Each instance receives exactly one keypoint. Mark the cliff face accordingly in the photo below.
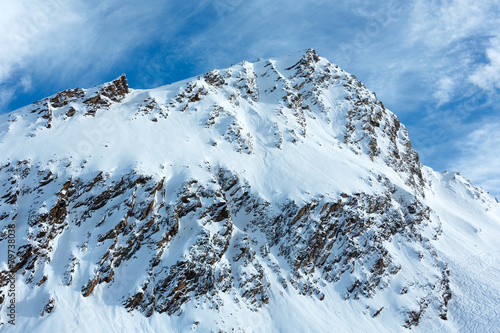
(236, 193)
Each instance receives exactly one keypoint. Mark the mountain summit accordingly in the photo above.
(279, 195)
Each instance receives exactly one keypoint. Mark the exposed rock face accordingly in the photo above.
(112, 92)
(204, 232)
(323, 241)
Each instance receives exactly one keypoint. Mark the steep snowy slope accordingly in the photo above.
(279, 195)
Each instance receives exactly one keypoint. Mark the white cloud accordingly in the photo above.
(487, 76)
(440, 23)
(480, 156)
(25, 83)
(445, 89)
(75, 41)
(452, 36)
(6, 96)
(26, 25)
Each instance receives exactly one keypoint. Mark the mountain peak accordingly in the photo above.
(311, 55)
(306, 56)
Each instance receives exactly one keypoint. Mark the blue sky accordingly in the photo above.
(436, 64)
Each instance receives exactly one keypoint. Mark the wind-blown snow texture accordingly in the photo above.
(279, 195)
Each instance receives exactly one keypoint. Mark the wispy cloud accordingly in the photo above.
(487, 76)
(78, 42)
(27, 26)
(480, 160)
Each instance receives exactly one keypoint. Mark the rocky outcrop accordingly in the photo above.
(324, 241)
(107, 94)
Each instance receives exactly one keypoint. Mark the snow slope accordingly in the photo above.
(279, 196)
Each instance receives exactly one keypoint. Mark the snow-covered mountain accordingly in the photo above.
(274, 196)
